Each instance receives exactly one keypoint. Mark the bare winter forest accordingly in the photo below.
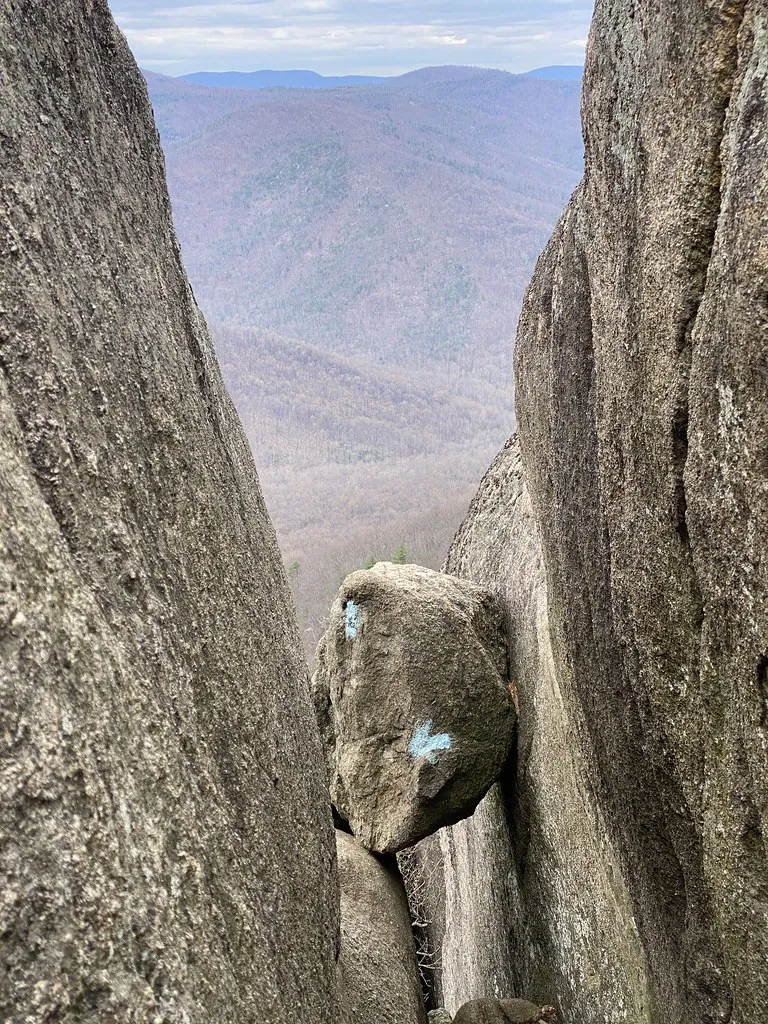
(361, 254)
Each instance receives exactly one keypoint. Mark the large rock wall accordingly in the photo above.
(641, 399)
(166, 846)
(641, 366)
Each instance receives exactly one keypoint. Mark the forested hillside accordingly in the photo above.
(400, 221)
(362, 254)
(358, 461)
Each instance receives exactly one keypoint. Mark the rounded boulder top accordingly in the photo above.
(413, 702)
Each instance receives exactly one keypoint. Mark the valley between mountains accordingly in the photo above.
(361, 254)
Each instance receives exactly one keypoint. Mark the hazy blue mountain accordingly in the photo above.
(559, 72)
(362, 254)
(400, 221)
(274, 79)
(313, 80)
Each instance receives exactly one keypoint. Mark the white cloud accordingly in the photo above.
(354, 36)
(447, 40)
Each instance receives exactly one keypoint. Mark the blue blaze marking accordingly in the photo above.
(350, 620)
(424, 745)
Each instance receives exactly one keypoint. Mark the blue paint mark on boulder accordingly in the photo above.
(350, 620)
(424, 745)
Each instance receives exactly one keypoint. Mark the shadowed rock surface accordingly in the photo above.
(642, 413)
(166, 847)
(504, 1011)
(410, 692)
(378, 977)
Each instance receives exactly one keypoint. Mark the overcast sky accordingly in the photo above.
(384, 37)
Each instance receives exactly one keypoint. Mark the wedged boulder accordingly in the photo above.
(411, 696)
(378, 973)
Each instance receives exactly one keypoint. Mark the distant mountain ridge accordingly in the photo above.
(559, 73)
(275, 80)
(400, 221)
(302, 79)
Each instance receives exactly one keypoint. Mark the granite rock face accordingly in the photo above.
(641, 400)
(411, 695)
(641, 382)
(166, 846)
(378, 976)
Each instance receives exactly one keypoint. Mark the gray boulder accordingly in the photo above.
(504, 1011)
(166, 845)
(378, 975)
(411, 695)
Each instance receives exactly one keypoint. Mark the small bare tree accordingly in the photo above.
(421, 875)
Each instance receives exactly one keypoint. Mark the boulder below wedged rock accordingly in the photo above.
(504, 1011)
(411, 696)
(378, 974)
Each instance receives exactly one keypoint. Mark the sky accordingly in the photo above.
(337, 37)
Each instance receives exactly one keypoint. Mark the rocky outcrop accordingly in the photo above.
(166, 847)
(641, 400)
(378, 977)
(641, 403)
(411, 696)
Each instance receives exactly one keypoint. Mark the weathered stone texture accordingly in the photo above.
(378, 977)
(166, 848)
(641, 370)
(411, 695)
(504, 1011)
(439, 1016)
